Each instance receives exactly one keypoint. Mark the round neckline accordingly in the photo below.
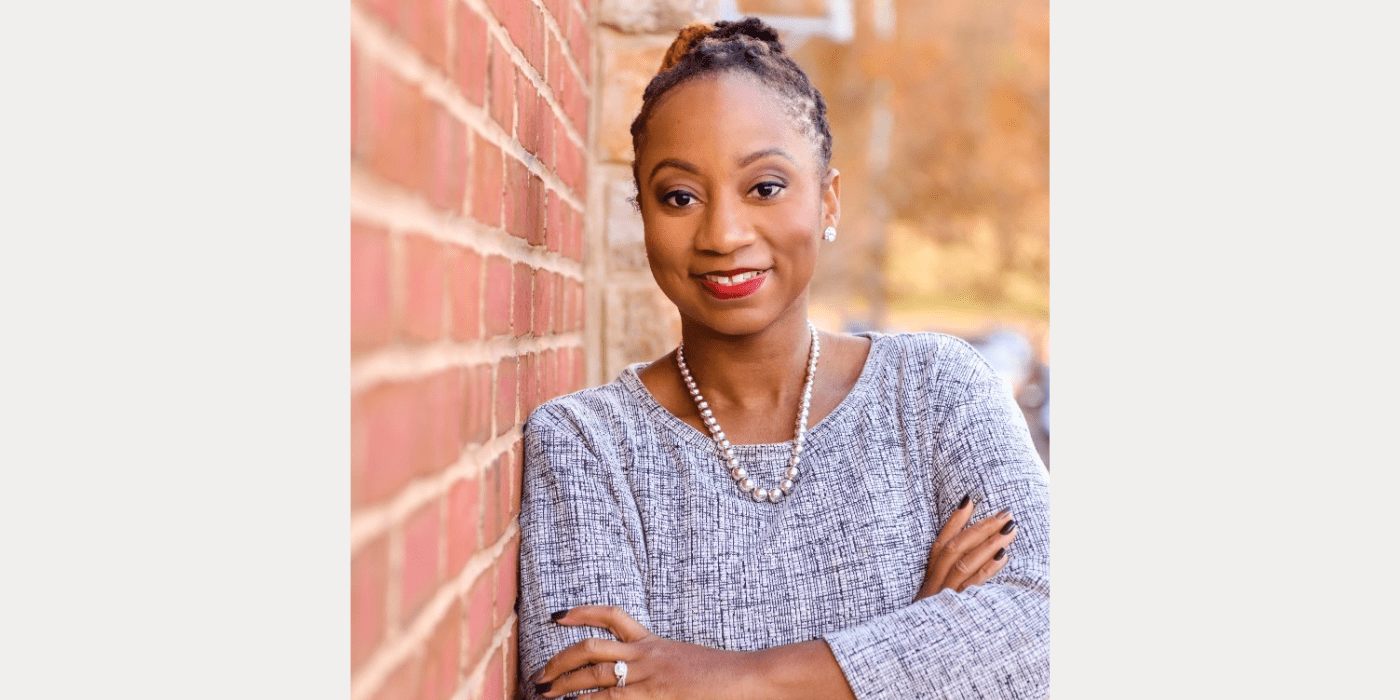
(691, 434)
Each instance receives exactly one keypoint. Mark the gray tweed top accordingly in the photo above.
(625, 504)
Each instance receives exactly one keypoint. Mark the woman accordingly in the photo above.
(769, 510)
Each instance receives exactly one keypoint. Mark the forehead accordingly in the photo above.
(724, 117)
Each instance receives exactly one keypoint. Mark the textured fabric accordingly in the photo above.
(625, 504)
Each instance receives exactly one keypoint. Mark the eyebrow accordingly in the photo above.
(743, 162)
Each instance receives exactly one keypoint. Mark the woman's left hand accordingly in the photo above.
(656, 667)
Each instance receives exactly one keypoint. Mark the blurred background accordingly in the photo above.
(497, 262)
(940, 120)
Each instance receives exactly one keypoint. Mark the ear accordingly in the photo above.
(831, 198)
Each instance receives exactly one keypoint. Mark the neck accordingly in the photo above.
(762, 370)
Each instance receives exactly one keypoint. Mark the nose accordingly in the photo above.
(725, 228)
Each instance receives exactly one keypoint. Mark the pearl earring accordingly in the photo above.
(829, 234)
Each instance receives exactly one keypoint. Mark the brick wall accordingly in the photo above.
(469, 168)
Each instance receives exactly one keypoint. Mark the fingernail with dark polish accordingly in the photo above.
(1000, 553)
(543, 687)
(558, 614)
(966, 499)
(1008, 527)
(1003, 512)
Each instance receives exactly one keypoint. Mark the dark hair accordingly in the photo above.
(749, 45)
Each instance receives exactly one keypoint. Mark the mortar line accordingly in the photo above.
(379, 203)
(393, 652)
(404, 363)
(379, 43)
(368, 522)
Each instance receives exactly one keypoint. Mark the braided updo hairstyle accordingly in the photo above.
(746, 45)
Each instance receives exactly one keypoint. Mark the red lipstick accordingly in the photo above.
(733, 291)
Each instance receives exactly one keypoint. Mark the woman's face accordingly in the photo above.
(732, 204)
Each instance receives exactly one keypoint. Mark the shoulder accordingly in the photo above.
(591, 413)
(934, 360)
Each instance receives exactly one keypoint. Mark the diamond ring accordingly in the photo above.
(620, 668)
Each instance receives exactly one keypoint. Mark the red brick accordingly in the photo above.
(520, 315)
(553, 221)
(517, 191)
(397, 129)
(506, 394)
(464, 286)
(506, 567)
(512, 14)
(432, 35)
(443, 419)
(528, 124)
(420, 559)
(441, 660)
(529, 383)
(512, 659)
(391, 416)
(534, 212)
(544, 303)
(423, 288)
(570, 166)
(502, 87)
(463, 523)
(369, 581)
(498, 289)
(517, 472)
(471, 54)
(549, 375)
(548, 125)
(369, 285)
(447, 182)
(557, 314)
(487, 174)
(495, 686)
(537, 31)
(479, 409)
(477, 625)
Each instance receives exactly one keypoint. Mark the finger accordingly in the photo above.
(599, 676)
(956, 522)
(593, 650)
(960, 544)
(972, 562)
(988, 570)
(608, 617)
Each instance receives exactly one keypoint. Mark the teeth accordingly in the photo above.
(736, 279)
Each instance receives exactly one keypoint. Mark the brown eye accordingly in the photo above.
(768, 190)
(678, 198)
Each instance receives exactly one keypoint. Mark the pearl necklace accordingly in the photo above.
(726, 451)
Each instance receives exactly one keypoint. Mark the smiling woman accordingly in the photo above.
(771, 510)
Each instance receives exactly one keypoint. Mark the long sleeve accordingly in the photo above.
(990, 641)
(577, 546)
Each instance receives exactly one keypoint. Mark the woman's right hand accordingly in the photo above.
(962, 558)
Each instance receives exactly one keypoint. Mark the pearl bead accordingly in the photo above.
(738, 473)
(794, 460)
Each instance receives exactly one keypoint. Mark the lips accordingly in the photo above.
(733, 284)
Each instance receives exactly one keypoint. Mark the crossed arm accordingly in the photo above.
(961, 557)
